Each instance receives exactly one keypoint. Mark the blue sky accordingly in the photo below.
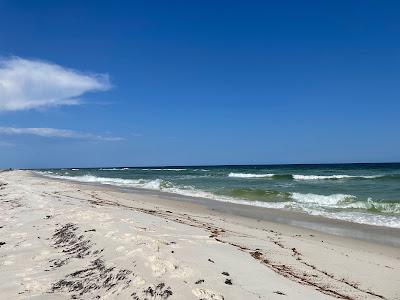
(126, 83)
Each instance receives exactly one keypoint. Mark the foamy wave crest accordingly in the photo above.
(322, 177)
(343, 201)
(249, 175)
(156, 184)
(375, 206)
(359, 217)
(322, 200)
(348, 208)
(113, 169)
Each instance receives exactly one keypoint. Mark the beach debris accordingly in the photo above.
(199, 281)
(214, 233)
(228, 281)
(225, 273)
(72, 244)
(160, 291)
(211, 261)
(279, 293)
(96, 277)
(93, 279)
(3, 185)
(295, 252)
(256, 254)
(2, 243)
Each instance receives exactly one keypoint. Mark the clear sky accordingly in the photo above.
(126, 83)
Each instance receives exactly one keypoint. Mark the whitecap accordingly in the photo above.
(323, 177)
(249, 175)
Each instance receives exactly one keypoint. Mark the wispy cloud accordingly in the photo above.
(32, 84)
(57, 133)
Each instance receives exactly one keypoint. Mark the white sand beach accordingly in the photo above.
(63, 240)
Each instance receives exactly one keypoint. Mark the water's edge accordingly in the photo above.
(370, 233)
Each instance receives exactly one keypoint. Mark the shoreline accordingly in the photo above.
(366, 232)
(63, 239)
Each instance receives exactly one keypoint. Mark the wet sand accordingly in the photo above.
(378, 234)
(62, 240)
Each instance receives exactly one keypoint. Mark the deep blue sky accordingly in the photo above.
(212, 82)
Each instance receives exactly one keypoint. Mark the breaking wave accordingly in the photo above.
(113, 169)
(247, 175)
(310, 177)
(323, 177)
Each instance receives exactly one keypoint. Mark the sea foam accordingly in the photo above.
(249, 175)
(323, 177)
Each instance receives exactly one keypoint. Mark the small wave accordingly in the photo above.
(74, 169)
(156, 184)
(48, 172)
(343, 201)
(249, 175)
(322, 200)
(258, 194)
(113, 169)
(302, 177)
(359, 217)
(375, 206)
(324, 177)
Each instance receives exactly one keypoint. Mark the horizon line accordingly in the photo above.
(207, 165)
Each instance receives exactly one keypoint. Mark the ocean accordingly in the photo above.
(361, 193)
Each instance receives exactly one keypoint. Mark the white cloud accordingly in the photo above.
(57, 133)
(31, 84)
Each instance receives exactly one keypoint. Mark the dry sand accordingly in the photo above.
(63, 240)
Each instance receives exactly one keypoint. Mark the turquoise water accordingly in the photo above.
(362, 193)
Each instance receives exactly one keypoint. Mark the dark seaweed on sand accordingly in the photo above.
(72, 244)
(93, 278)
